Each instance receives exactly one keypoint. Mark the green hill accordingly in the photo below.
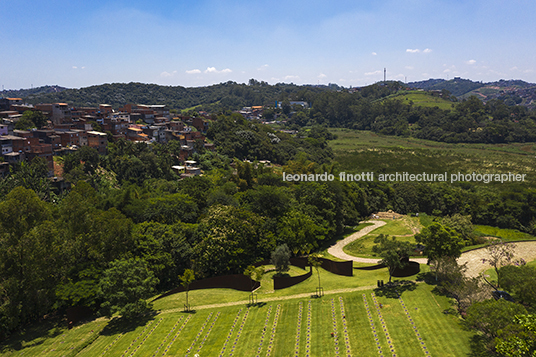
(422, 99)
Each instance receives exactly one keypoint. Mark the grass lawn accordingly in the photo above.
(401, 228)
(503, 233)
(363, 247)
(298, 326)
(328, 281)
(422, 99)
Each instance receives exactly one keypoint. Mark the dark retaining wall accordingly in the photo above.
(340, 268)
(243, 283)
(372, 267)
(281, 282)
(411, 268)
(235, 281)
(78, 313)
(345, 268)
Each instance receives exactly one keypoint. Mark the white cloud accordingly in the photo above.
(528, 71)
(471, 62)
(322, 75)
(373, 73)
(374, 53)
(168, 74)
(416, 50)
(214, 70)
(263, 67)
(74, 67)
(513, 68)
(409, 67)
(193, 71)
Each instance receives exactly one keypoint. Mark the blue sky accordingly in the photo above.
(196, 43)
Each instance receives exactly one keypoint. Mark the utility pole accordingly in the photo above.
(384, 74)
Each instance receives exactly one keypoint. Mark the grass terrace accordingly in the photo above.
(354, 323)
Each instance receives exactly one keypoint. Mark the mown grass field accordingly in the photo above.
(294, 327)
(329, 281)
(422, 99)
(401, 229)
(365, 151)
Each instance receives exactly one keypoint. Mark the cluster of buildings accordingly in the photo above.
(70, 128)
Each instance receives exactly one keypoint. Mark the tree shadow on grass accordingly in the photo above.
(256, 304)
(428, 277)
(34, 334)
(123, 325)
(395, 289)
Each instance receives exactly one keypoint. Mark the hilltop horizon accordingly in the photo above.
(437, 80)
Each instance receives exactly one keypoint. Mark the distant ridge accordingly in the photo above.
(512, 91)
(235, 95)
(25, 93)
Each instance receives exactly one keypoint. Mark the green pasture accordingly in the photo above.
(363, 247)
(400, 228)
(422, 99)
(503, 233)
(297, 326)
(365, 151)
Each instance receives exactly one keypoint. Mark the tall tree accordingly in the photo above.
(233, 238)
(440, 241)
(186, 279)
(125, 286)
(29, 258)
(392, 252)
(314, 261)
(280, 258)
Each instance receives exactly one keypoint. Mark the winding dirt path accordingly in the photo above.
(473, 258)
(337, 251)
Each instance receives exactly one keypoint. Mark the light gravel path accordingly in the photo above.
(337, 251)
(473, 258)
(263, 298)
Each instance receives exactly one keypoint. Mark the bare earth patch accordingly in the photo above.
(473, 258)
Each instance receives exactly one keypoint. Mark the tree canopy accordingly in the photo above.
(125, 286)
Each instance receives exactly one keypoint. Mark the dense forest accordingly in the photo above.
(58, 248)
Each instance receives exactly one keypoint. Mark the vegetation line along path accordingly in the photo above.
(337, 249)
(473, 258)
(269, 299)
